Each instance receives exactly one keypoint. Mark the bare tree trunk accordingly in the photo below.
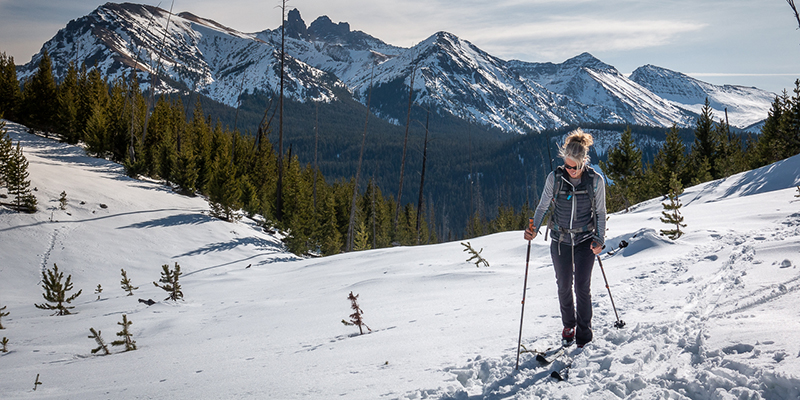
(405, 146)
(316, 147)
(794, 9)
(422, 175)
(153, 78)
(351, 227)
(279, 200)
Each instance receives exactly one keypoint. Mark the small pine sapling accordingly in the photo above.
(672, 214)
(355, 317)
(101, 345)
(4, 342)
(62, 200)
(798, 191)
(476, 255)
(36, 383)
(169, 278)
(126, 338)
(3, 313)
(126, 283)
(55, 292)
(98, 290)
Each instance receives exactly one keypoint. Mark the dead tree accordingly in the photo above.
(355, 317)
(405, 146)
(351, 227)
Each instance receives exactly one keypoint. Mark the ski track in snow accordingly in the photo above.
(653, 359)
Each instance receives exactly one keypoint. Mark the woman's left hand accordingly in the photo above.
(596, 248)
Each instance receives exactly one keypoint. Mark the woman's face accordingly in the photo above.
(572, 168)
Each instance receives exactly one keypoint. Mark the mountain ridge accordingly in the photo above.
(454, 76)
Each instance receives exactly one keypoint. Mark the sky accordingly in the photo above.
(742, 42)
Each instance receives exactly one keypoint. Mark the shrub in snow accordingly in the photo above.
(101, 345)
(126, 283)
(126, 338)
(476, 255)
(169, 280)
(2, 314)
(355, 317)
(98, 290)
(4, 342)
(55, 292)
(36, 383)
(798, 191)
(62, 200)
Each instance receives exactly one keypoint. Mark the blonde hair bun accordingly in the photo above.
(576, 147)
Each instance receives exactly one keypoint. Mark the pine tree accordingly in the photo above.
(362, 237)
(40, 100)
(126, 283)
(101, 345)
(4, 342)
(671, 213)
(706, 144)
(67, 116)
(170, 284)
(98, 290)
(96, 132)
(16, 175)
(3, 313)
(10, 95)
(624, 169)
(670, 159)
(330, 237)
(355, 317)
(126, 337)
(55, 292)
(223, 189)
(6, 149)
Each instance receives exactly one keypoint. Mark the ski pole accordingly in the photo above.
(524, 290)
(620, 323)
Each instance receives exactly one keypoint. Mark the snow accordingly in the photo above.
(712, 315)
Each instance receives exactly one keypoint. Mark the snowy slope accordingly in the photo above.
(745, 105)
(712, 315)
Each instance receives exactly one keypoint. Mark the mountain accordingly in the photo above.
(745, 105)
(708, 316)
(588, 80)
(328, 61)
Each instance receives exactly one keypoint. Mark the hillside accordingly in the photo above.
(711, 315)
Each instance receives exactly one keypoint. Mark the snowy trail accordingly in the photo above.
(665, 351)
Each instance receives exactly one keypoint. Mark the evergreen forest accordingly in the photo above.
(477, 180)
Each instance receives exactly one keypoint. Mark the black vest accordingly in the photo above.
(574, 218)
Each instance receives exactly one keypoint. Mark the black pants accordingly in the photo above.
(577, 313)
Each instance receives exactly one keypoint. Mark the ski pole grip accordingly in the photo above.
(530, 224)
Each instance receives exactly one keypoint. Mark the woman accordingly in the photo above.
(575, 196)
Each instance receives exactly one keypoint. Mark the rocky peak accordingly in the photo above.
(295, 26)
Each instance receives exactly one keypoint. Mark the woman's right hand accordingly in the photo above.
(530, 233)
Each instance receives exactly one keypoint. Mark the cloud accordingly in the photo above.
(561, 38)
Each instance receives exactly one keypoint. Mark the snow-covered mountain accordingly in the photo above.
(745, 105)
(712, 315)
(452, 75)
(590, 81)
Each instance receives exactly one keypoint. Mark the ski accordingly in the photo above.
(560, 375)
(548, 356)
